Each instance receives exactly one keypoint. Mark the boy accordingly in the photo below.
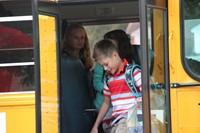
(116, 91)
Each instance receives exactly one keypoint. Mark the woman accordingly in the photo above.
(76, 63)
(76, 44)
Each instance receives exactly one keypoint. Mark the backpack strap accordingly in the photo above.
(105, 77)
(130, 79)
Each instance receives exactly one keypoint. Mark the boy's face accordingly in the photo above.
(111, 63)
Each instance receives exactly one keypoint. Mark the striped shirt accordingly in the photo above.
(122, 98)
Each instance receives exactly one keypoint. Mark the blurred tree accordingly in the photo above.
(96, 33)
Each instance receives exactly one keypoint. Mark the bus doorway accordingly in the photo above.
(92, 15)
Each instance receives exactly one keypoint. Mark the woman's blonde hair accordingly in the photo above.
(84, 53)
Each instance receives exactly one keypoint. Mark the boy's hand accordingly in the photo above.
(139, 102)
(139, 99)
(94, 130)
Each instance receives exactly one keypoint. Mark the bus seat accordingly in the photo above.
(75, 97)
(137, 50)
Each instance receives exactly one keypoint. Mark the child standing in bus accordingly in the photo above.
(76, 62)
(126, 52)
(116, 91)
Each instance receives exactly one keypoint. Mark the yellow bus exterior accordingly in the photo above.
(184, 101)
(19, 112)
(49, 79)
(19, 108)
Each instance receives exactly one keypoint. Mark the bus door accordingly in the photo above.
(54, 94)
(155, 83)
(49, 119)
(153, 21)
(46, 48)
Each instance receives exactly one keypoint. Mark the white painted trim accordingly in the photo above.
(16, 18)
(17, 64)
(2, 122)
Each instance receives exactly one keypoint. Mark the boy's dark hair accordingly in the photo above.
(117, 35)
(104, 47)
(124, 45)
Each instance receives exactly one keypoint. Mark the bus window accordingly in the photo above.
(130, 28)
(191, 33)
(16, 49)
(101, 30)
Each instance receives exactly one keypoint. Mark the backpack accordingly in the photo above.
(158, 101)
(129, 79)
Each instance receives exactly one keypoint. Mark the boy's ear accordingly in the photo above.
(115, 54)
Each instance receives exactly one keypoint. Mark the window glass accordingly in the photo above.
(132, 29)
(156, 45)
(101, 30)
(161, 3)
(16, 78)
(16, 46)
(192, 36)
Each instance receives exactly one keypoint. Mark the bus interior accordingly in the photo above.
(101, 17)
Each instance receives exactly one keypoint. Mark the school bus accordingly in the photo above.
(164, 33)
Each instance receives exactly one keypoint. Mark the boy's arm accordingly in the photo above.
(103, 110)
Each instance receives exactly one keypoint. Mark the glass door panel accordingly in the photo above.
(156, 50)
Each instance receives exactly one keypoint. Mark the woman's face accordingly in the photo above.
(78, 38)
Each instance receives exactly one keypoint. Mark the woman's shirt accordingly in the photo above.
(98, 85)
